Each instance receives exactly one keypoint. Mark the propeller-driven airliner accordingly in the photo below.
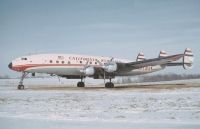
(72, 66)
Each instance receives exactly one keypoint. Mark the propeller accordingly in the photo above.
(105, 67)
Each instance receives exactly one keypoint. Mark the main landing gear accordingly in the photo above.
(109, 84)
(21, 86)
(81, 83)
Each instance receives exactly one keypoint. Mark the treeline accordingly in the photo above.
(167, 77)
(38, 75)
(157, 78)
(4, 77)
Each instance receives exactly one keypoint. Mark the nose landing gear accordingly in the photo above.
(21, 86)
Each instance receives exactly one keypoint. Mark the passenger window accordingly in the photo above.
(23, 58)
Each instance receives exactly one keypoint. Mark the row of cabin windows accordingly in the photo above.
(23, 58)
(90, 62)
(59, 62)
(63, 62)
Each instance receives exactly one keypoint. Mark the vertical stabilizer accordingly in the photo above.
(162, 54)
(188, 58)
(140, 57)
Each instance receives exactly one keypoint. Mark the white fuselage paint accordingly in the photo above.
(70, 64)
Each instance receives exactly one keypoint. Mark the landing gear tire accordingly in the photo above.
(80, 84)
(20, 87)
(109, 85)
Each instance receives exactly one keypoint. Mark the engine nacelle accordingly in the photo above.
(111, 67)
(88, 71)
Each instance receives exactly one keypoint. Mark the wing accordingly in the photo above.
(148, 62)
(187, 62)
(139, 64)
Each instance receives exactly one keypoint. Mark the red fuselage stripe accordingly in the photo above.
(27, 66)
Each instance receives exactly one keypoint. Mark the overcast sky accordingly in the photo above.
(119, 28)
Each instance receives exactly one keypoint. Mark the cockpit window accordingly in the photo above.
(24, 58)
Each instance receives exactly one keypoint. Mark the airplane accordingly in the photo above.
(72, 66)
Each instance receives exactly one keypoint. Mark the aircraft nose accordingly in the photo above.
(10, 66)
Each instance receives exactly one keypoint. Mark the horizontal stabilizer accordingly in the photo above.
(175, 64)
(187, 62)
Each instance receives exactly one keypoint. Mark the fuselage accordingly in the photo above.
(69, 65)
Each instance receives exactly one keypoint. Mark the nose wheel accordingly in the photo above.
(20, 87)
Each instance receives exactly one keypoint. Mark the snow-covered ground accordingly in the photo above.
(91, 108)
